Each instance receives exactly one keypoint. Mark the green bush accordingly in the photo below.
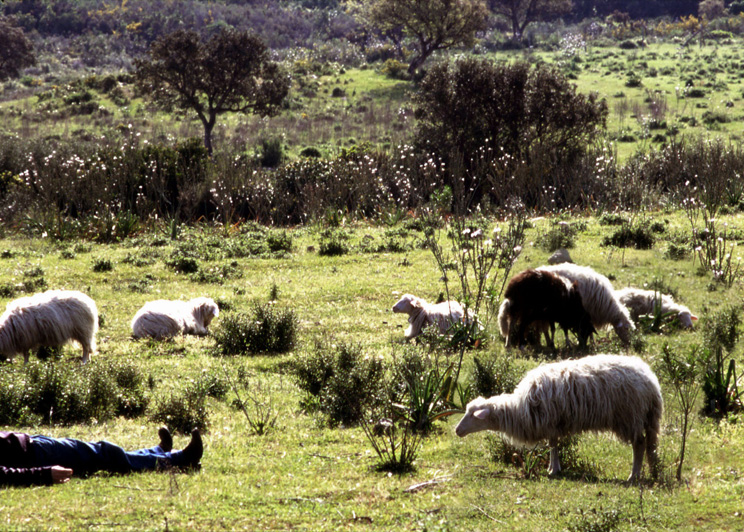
(272, 153)
(333, 243)
(639, 237)
(279, 241)
(102, 265)
(54, 393)
(182, 262)
(557, 237)
(475, 104)
(493, 375)
(342, 381)
(267, 330)
(182, 411)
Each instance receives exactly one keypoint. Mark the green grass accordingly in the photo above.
(304, 476)
(368, 110)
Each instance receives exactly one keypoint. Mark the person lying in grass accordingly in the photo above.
(27, 460)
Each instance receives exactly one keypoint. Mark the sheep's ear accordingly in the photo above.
(481, 413)
(693, 317)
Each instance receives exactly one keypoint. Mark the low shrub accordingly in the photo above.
(182, 262)
(182, 411)
(560, 235)
(102, 265)
(333, 243)
(267, 330)
(342, 381)
(54, 393)
(493, 375)
(639, 237)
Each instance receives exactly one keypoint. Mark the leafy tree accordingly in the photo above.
(514, 108)
(231, 72)
(712, 9)
(16, 51)
(521, 13)
(431, 24)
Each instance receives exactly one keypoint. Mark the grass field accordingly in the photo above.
(654, 93)
(303, 475)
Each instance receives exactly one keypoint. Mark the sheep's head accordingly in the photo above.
(205, 310)
(477, 418)
(686, 318)
(623, 329)
(408, 304)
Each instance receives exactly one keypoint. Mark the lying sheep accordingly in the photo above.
(165, 319)
(640, 302)
(541, 298)
(598, 297)
(422, 314)
(596, 393)
(49, 319)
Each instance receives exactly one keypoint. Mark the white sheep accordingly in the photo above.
(598, 297)
(421, 314)
(165, 319)
(49, 319)
(596, 393)
(640, 302)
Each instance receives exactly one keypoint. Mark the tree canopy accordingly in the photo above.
(474, 104)
(231, 72)
(431, 24)
(16, 51)
(521, 13)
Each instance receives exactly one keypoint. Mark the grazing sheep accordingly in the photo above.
(543, 298)
(640, 302)
(49, 319)
(165, 319)
(421, 314)
(596, 393)
(598, 297)
(538, 327)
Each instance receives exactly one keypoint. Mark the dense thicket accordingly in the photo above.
(105, 191)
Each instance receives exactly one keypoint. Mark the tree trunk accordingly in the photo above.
(416, 62)
(208, 127)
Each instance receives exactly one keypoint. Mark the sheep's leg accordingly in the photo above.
(548, 330)
(26, 355)
(639, 447)
(565, 334)
(521, 333)
(555, 464)
(86, 353)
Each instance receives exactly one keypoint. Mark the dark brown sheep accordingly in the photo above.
(544, 299)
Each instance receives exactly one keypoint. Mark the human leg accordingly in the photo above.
(89, 457)
(82, 457)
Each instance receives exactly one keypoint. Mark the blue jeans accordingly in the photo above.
(85, 458)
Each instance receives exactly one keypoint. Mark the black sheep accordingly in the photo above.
(543, 299)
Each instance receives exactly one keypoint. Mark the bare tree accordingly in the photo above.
(231, 72)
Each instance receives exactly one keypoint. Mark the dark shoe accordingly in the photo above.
(192, 453)
(166, 441)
